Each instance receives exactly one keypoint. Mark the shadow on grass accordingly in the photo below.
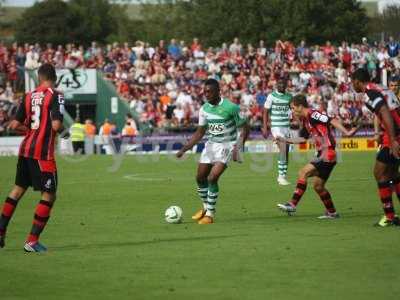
(155, 241)
(299, 217)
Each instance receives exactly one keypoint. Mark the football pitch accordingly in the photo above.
(107, 237)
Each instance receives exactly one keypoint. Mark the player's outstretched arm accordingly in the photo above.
(336, 123)
(196, 137)
(297, 140)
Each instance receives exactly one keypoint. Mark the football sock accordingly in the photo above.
(6, 214)
(327, 201)
(298, 192)
(396, 184)
(42, 215)
(282, 167)
(202, 191)
(385, 194)
(212, 197)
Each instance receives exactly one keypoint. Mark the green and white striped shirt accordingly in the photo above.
(279, 108)
(221, 121)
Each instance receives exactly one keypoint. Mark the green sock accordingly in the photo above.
(202, 190)
(212, 197)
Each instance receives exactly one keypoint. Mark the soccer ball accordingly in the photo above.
(173, 214)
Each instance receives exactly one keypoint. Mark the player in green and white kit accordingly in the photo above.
(220, 119)
(277, 116)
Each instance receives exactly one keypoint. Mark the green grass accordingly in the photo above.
(107, 237)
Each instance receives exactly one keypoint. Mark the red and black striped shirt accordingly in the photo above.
(318, 125)
(39, 108)
(374, 99)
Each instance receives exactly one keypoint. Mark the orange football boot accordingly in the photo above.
(206, 220)
(199, 215)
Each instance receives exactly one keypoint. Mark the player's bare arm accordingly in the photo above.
(244, 134)
(377, 130)
(296, 140)
(58, 127)
(388, 123)
(245, 130)
(265, 126)
(336, 123)
(16, 125)
(196, 137)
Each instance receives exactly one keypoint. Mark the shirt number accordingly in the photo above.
(35, 123)
(319, 117)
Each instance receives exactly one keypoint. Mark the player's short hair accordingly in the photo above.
(47, 72)
(213, 83)
(361, 74)
(300, 99)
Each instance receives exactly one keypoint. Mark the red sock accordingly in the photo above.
(298, 192)
(327, 201)
(42, 215)
(385, 194)
(6, 214)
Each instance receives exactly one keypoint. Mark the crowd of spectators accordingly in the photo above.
(163, 83)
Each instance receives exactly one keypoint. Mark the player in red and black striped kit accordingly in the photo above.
(386, 170)
(318, 126)
(40, 115)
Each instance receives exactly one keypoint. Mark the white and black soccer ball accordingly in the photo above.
(173, 214)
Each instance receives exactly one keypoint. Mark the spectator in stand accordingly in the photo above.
(129, 119)
(393, 47)
(90, 129)
(144, 74)
(106, 128)
(4, 121)
(236, 46)
(128, 130)
(174, 50)
(32, 59)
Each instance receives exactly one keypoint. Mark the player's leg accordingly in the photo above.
(324, 170)
(46, 182)
(40, 219)
(203, 169)
(202, 188)
(396, 179)
(282, 163)
(307, 171)
(212, 196)
(22, 182)
(325, 196)
(8, 209)
(282, 156)
(382, 174)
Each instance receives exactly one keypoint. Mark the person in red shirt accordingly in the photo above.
(318, 126)
(386, 170)
(40, 116)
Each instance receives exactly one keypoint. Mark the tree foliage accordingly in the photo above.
(388, 22)
(44, 22)
(80, 21)
(252, 20)
(212, 21)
